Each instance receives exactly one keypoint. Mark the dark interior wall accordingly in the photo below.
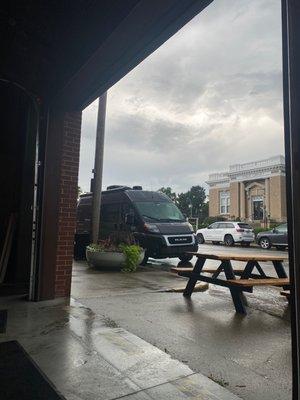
(17, 153)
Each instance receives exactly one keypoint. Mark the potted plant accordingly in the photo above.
(114, 253)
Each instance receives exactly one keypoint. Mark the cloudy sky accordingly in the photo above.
(209, 97)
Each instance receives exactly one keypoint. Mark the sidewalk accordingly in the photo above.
(88, 357)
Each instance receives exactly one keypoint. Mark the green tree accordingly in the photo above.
(183, 203)
(192, 203)
(205, 211)
(168, 191)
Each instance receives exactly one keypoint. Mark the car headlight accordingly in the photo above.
(153, 228)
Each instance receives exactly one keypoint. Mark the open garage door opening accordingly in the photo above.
(191, 115)
(67, 55)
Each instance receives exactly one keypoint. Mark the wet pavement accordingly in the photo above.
(90, 357)
(249, 355)
(125, 336)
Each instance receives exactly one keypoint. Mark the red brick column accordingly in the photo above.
(67, 202)
(58, 211)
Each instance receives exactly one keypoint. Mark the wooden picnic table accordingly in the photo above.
(237, 280)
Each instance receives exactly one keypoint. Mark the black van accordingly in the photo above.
(153, 219)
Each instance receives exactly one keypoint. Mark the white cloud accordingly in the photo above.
(209, 97)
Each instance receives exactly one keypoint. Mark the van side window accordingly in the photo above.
(84, 209)
(109, 213)
(127, 209)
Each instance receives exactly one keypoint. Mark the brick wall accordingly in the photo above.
(68, 183)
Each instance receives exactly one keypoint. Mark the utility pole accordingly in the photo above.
(98, 167)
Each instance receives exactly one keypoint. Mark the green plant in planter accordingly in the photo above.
(132, 255)
(94, 247)
(127, 246)
(103, 246)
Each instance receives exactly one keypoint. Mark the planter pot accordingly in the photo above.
(108, 259)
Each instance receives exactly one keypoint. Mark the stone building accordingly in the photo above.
(253, 191)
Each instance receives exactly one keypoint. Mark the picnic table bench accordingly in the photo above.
(247, 277)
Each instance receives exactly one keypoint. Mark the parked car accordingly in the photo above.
(277, 237)
(228, 232)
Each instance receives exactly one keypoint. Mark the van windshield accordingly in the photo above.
(155, 211)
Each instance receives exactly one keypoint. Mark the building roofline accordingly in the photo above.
(249, 171)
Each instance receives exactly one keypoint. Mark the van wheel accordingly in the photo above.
(228, 240)
(79, 252)
(200, 238)
(185, 258)
(145, 259)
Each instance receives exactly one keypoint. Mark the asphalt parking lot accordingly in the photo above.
(250, 355)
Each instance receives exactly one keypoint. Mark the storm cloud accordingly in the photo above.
(209, 97)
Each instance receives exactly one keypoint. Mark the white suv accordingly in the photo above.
(227, 232)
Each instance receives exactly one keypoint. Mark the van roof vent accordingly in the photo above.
(119, 187)
(87, 194)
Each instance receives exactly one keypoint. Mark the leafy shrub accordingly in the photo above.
(259, 229)
(132, 255)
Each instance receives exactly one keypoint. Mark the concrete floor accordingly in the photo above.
(250, 355)
(90, 357)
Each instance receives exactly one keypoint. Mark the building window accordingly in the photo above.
(224, 202)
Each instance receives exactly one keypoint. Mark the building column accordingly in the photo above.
(242, 201)
(234, 200)
(58, 220)
(267, 197)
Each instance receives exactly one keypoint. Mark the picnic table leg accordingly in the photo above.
(260, 270)
(236, 294)
(280, 271)
(249, 269)
(218, 271)
(192, 281)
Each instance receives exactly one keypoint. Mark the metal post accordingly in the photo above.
(98, 167)
(291, 101)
